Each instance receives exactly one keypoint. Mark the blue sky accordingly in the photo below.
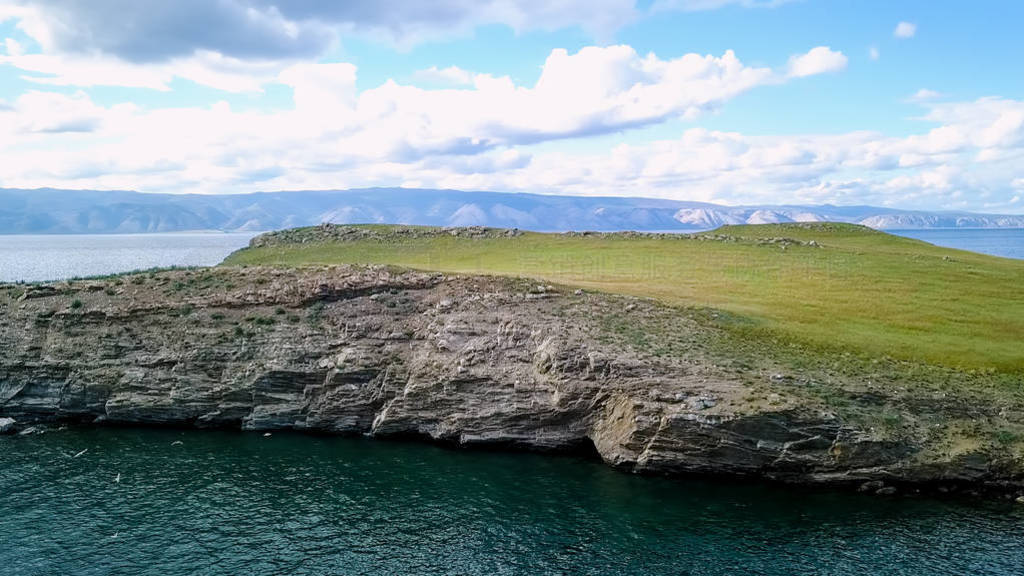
(909, 104)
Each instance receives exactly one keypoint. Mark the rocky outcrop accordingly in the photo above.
(464, 360)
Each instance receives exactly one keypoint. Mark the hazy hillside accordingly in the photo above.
(49, 211)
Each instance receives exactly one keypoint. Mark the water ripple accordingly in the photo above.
(224, 503)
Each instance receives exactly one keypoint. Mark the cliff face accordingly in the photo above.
(466, 360)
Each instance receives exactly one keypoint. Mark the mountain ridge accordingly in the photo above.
(60, 211)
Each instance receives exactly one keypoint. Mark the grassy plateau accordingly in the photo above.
(837, 287)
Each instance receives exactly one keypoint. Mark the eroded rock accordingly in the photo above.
(465, 360)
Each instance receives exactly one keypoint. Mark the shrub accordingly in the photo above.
(76, 304)
(1007, 437)
(316, 312)
(261, 320)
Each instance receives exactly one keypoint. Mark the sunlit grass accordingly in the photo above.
(861, 290)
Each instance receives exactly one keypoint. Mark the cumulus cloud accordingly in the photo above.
(452, 75)
(152, 31)
(326, 88)
(949, 166)
(207, 68)
(596, 90)
(471, 130)
(242, 45)
(49, 113)
(13, 47)
(817, 61)
(338, 139)
(905, 30)
(333, 127)
(149, 31)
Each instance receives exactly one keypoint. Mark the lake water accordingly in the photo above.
(238, 503)
(56, 257)
(223, 503)
(1005, 242)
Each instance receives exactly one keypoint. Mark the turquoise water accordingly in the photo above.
(232, 503)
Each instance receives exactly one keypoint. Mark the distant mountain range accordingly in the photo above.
(50, 211)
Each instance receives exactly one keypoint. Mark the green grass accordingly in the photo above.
(859, 290)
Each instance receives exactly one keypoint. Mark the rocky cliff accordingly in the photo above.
(473, 361)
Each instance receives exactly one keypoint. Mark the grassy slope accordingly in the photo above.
(861, 290)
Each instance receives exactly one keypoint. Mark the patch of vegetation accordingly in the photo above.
(835, 288)
(261, 320)
(1005, 437)
(118, 278)
(315, 313)
(76, 304)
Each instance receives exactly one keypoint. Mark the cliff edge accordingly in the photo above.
(489, 361)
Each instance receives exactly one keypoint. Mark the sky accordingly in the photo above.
(906, 104)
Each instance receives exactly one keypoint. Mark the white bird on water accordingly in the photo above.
(117, 479)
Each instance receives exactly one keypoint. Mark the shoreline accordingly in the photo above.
(933, 489)
(481, 362)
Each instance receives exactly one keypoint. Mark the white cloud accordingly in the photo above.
(336, 139)
(327, 89)
(206, 68)
(333, 127)
(13, 47)
(817, 61)
(286, 29)
(905, 30)
(873, 53)
(452, 75)
(49, 113)
(924, 94)
(480, 131)
(152, 31)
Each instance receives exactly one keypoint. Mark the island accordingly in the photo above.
(806, 353)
